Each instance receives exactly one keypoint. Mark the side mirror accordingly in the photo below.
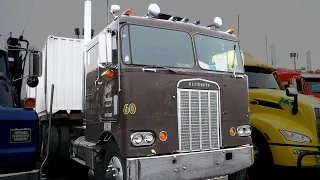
(105, 48)
(32, 81)
(291, 92)
(35, 63)
(294, 82)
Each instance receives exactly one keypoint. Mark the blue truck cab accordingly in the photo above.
(19, 130)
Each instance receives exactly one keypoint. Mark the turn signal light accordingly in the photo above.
(29, 103)
(128, 11)
(109, 73)
(232, 131)
(163, 136)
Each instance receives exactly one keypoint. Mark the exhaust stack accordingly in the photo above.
(87, 21)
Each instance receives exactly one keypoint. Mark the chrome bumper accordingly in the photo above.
(21, 175)
(195, 165)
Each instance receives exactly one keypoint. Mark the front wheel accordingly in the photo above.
(114, 163)
(240, 175)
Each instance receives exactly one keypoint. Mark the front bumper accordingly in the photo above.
(308, 153)
(195, 165)
(34, 175)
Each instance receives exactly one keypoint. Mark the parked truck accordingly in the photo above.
(285, 125)
(19, 123)
(306, 82)
(134, 102)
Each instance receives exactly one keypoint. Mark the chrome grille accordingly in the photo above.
(198, 119)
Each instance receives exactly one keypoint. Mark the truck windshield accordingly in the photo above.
(313, 84)
(6, 96)
(218, 54)
(150, 46)
(3, 67)
(260, 78)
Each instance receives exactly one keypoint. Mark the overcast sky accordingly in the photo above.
(291, 25)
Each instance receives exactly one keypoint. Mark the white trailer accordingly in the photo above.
(62, 65)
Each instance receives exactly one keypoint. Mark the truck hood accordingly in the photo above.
(14, 114)
(276, 96)
(317, 95)
(271, 110)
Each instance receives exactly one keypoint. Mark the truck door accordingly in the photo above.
(108, 87)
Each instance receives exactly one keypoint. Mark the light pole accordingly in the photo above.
(294, 57)
(77, 32)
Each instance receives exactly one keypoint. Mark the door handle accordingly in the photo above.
(97, 82)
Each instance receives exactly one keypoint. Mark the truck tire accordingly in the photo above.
(113, 158)
(263, 160)
(240, 175)
(54, 143)
(64, 143)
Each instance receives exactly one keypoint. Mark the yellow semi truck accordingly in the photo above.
(286, 126)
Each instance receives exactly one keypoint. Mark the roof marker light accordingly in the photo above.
(153, 10)
(230, 31)
(197, 22)
(186, 19)
(127, 12)
(173, 18)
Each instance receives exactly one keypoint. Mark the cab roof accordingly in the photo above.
(251, 61)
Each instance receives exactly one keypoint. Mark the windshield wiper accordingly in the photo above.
(150, 68)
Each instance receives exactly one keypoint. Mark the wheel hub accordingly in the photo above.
(114, 170)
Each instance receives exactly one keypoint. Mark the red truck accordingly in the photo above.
(306, 82)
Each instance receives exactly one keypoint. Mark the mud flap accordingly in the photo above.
(99, 171)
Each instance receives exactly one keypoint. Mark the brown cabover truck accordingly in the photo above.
(156, 106)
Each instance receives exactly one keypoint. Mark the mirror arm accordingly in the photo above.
(295, 105)
(20, 78)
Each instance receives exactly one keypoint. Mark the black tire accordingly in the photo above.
(54, 143)
(64, 143)
(113, 150)
(240, 175)
(264, 162)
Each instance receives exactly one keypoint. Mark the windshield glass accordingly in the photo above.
(156, 47)
(313, 84)
(3, 68)
(6, 96)
(218, 54)
(262, 79)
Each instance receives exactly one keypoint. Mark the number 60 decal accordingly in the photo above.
(129, 108)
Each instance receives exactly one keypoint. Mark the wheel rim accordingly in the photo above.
(116, 163)
(256, 152)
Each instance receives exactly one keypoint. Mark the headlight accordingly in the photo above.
(20, 135)
(295, 137)
(244, 130)
(142, 138)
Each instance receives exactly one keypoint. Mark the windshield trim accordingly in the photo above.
(158, 27)
(213, 36)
